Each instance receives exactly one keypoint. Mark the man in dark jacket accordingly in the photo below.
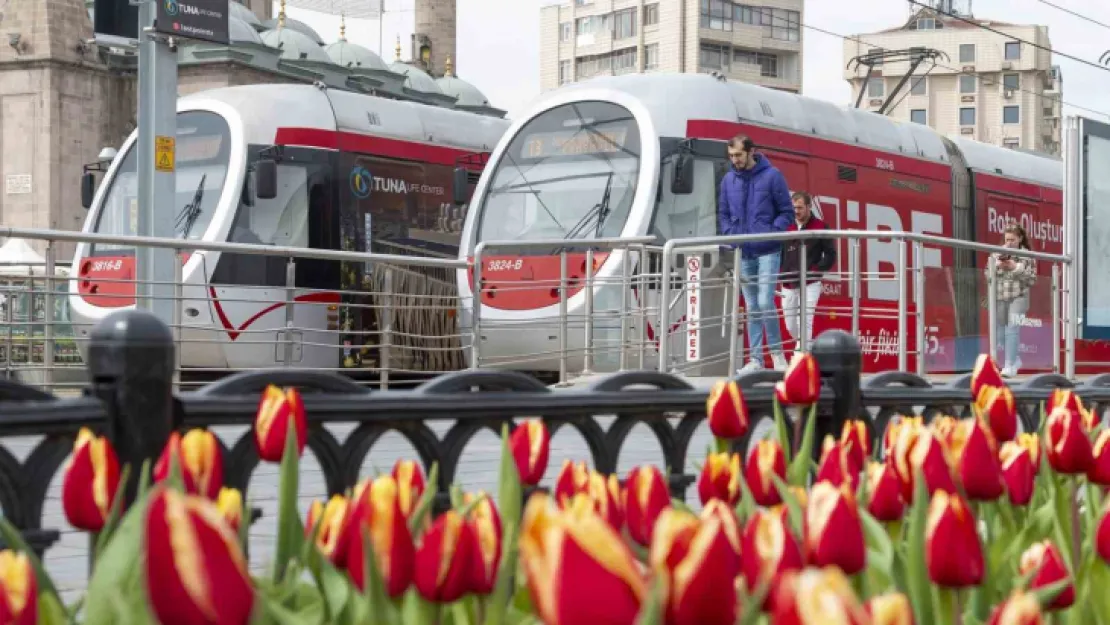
(820, 257)
(754, 199)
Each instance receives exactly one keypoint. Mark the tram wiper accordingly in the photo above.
(190, 212)
(600, 210)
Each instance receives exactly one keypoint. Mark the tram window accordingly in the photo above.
(678, 216)
(282, 221)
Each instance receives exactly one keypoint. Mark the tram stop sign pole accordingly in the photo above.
(163, 24)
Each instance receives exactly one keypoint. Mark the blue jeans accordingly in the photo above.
(1008, 327)
(760, 277)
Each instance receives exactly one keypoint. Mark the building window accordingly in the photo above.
(875, 88)
(716, 14)
(745, 14)
(616, 62)
(928, 23)
(651, 56)
(917, 86)
(967, 117)
(967, 83)
(714, 57)
(768, 63)
(1011, 115)
(564, 31)
(1011, 82)
(592, 25)
(651, 14)
(781, 24)
(967, 53)
(1013, 50)
(624, 61)
(564, 72)
(919, 116)
(624, 24)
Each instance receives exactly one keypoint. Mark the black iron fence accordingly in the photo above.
(131, 399)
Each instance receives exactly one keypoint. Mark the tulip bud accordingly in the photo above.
(904, 427)
(1102, 534)
(230, 505)
(701, 565)
(445, 559)
(985, 373)
(921, 450)
(200, 459)
(976, 458)
(577, 567)
(19, 604)
(195, 571)
(1018, 472)
(817, 596)
(890, 609)
(573, 478)
(271, 424)
(726, 411)
(729, 524)
(646, 496)
(884, 489)
(1066, 398)
(410, 484)
(834, 532)
(1066, 445)
(486, 523)
(1045, 558)
(836, 466)
(801, 383)
(378, 512)
(944, 429)
(856, 442)
(1099, 471)
(530, 446)
(953, 553)
(720, 479)
(333, 536)
(90, 482)
(766, 460)
(997, 407)
(1019, 609)
(768, 550)
(605, 492)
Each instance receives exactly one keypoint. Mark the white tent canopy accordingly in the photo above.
(18, 258)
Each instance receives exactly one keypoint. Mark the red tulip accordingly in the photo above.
(726, 411)
(1066, 445)
(884, 490)
(605, 492)
(856, 442)
(976, 458)
(1019, 469)
(834, 532)
(573, 478)
(487, 536)
(904, 427)
(1066, 398)
(1019, 609)
(720, 479)
(766, 460)
(90, 482)
(1102, 534)
(953, 553)
(921, 450)
(700, 563)
(230, 505)
(986, 373)
(997, 407)
(768, 550)
(837, 466)
(530, 445)
(333, 536)
(815, 597)
(646, 496)
(194, 569)
(801, 383)
(1099, 471)
(410, 484)
(200, 460)
(890, 609)
(577, 567)
(445, 559)
(19, 596)
(944, 429)
(1045, 558)
(271, 424)
(727, 517)
(377, 511)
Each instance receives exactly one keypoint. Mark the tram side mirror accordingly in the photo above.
(460, 186)
(88, 189)
(265, 179)
(683, 181)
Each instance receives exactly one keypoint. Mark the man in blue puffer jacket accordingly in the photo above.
(754, 199)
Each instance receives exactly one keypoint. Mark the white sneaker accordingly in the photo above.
(779, 361)
(1008, 371)
(753, 365)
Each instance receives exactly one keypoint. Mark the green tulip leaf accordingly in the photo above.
(114, 513)
(374, 591)
(1098, 581)
(651, 612)
(417, 610)
(745, 508)
(509, 491)
(290, 530)
(284, 616)
(800, 465)
(335, 587)
(878, 543)
(1047, 594)
(118, 569)
(503, 589)
(51, 611)
(424, 506)
(793, 507)
(917, 576)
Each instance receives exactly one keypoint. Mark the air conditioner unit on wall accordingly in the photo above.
(967, 131)
(1007, 65)
(1008, 94)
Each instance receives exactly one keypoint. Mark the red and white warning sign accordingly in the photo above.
(693, 309)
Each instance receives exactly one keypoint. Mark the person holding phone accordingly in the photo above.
(820, 257)
(1014, 277)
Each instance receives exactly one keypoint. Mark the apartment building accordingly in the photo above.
(986, 86)
(759, 41)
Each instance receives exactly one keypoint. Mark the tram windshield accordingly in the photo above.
(570, 173)
(202, 154)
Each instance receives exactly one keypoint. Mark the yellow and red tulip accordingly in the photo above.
(817, 596)
(378, 511)
(573, 478)
(333, 536)
(700, 561)
(646, 496)
(856, 442)
(1066, 398)
(768, 551)
(996, 406)
(885, 501)
(410, 484)
(726, 411)
(984, 374)
(19, 597)
(230, 504)
(1099, 471)
(953, 553)
(720, 479)
(1066, 443)
(904, 427)
(890, 609)
(1045, 558)
(200, 459)
(271, 425)
(801, 383)
(1020, 608)
(976, 457)
(90, 482)
(530, 445)
(195, 571)
(445, 559)
(1102, 534)
(766, 460)
(1020, 463)
(486, 523)
(837, 466)
(944, 429)
(922, 450)
(577, 567)
(833, 530)
(605, 492)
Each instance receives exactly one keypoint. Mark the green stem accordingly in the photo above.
(1076, 542)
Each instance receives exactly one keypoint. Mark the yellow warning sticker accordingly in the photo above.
(164, 153)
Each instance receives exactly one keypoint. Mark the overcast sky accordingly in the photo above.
(499, 42)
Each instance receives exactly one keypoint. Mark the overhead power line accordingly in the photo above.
(1075, 13)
